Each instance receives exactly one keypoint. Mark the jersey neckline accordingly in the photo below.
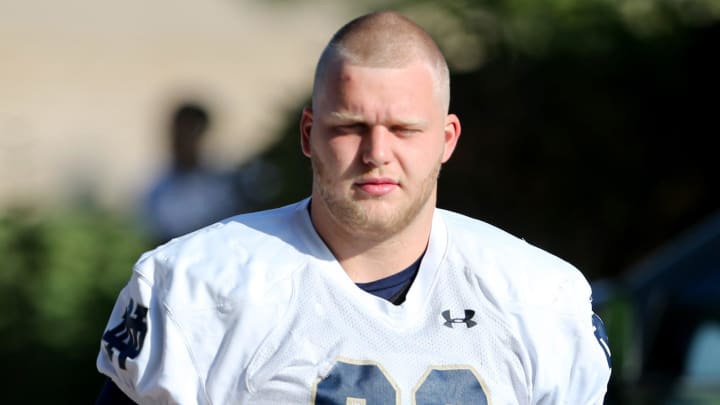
(403, 315)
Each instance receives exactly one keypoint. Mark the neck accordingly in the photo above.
(367, 256)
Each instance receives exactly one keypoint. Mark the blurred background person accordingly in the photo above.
(190, 194)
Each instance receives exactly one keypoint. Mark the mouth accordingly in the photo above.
(377, 186)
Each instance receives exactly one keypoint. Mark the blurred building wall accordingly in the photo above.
(86, 86)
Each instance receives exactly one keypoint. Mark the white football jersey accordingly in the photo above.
(256, 310)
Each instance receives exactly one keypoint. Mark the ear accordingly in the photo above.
(306, 122)
(452, 134)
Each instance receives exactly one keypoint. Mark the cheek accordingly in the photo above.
(422, 159)
(340, 153)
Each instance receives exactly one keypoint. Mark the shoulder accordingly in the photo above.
(187, 297)
(515, 271)
(544, 299)
(249, 252)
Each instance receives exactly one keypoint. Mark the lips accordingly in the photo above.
(377, 186)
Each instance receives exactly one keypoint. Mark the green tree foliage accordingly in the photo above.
(59, 276)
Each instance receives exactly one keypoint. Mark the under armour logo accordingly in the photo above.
(449, 321)
(128, 336)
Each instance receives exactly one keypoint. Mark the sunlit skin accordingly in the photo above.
(376, 138)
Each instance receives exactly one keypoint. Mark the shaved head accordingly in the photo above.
(384, 40)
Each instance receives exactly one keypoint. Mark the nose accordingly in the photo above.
(376, 146)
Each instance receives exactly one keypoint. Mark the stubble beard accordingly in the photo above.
(364, 217)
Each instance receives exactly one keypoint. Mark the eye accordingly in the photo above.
(405, 131)
(354, 128)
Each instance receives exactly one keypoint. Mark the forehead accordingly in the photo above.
(359, 90)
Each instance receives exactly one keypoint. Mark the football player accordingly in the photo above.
(364, 293)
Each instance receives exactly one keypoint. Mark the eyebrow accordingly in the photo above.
(346, 116)
(349, 117)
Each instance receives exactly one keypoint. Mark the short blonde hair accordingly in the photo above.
(384, 39)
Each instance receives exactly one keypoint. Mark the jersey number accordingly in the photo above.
(368, 384)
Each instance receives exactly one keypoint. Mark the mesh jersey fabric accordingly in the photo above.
(256, 310)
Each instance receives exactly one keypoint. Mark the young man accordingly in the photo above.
(364, 293)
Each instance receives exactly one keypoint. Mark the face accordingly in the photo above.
(376, 138)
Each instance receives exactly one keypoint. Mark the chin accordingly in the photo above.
(383, 219)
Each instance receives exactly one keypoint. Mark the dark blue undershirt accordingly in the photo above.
(395, 287)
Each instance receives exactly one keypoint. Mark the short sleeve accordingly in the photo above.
(569, 349)
(143, 351)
